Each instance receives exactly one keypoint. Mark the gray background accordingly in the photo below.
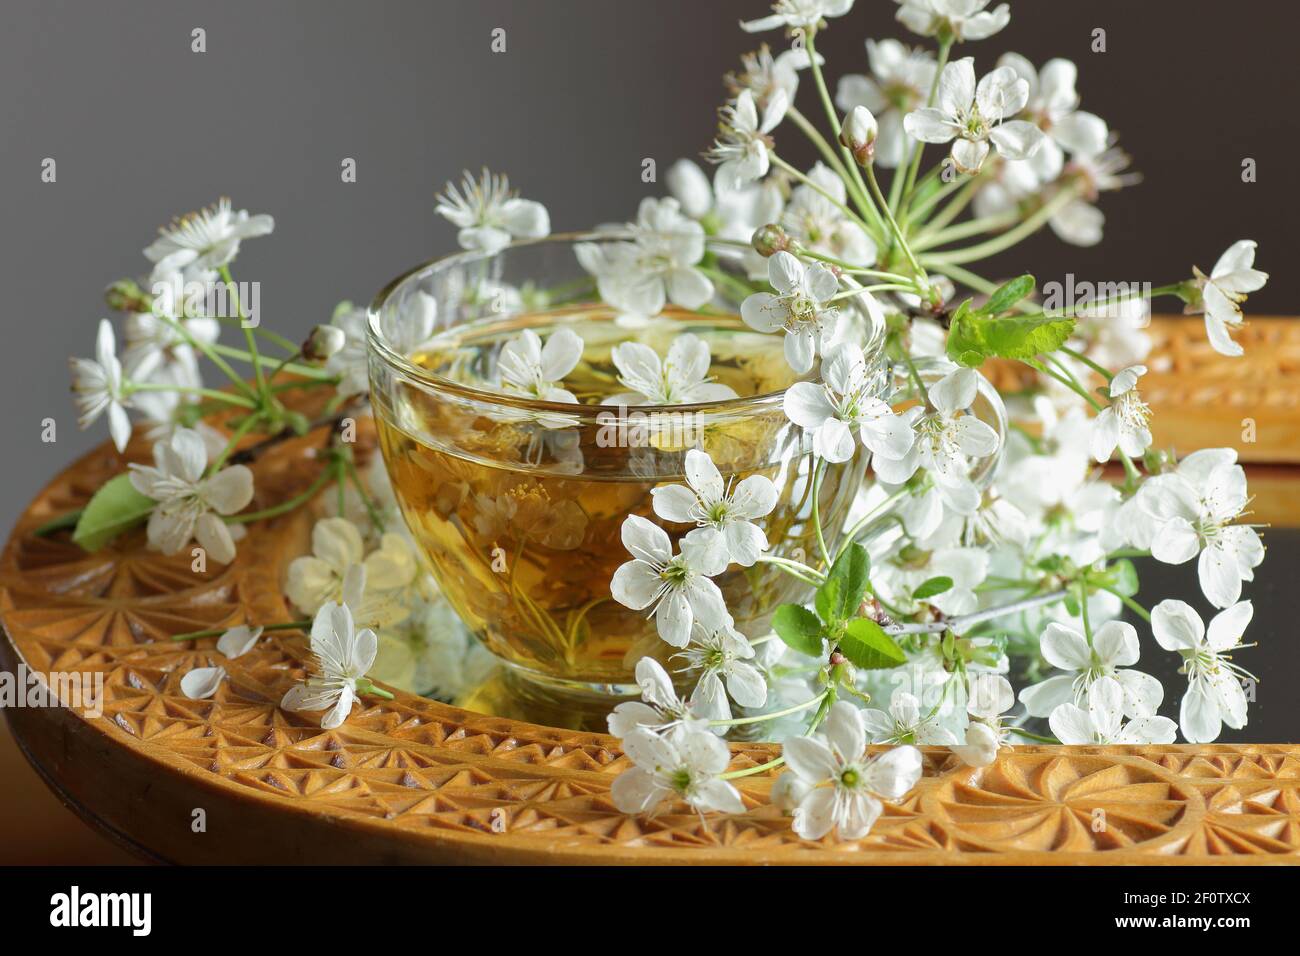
(143, 129)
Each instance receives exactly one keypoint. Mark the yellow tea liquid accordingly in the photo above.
(521, 521)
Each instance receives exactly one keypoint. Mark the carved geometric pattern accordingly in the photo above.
(415, 780)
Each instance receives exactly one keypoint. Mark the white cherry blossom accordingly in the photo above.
(964, 19)
(838, 787)
(676, 588)
(1053, 106)
(801, 306)
(975, 115)
(1214, 693)
(1114, 648)
(341, 657)
(99, 386)
(657, 266)
(965, 567)
(489, 214)
(742, 147)
(821, 224)
(723, 515)
(899, 83)
(764, 74)
(1080, 222)
(1222, 291)
(684, 763)
(190, 505)
(733, 214)
(535, 370)
(339, 570)
(904, 723)
(1124, 422)
(404, 329)
(945, 440)
(843, 402)
(681, 378)
(723, 660)
(798, 15)
(659, 709)
(1103, 722)
(207, 239)
(989, 696)
(1191, 511)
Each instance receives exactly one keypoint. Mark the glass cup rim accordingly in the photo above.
(375, 340)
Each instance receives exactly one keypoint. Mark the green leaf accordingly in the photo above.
(838, 598)
(1125, 577)
(1007, 295)
(116, 507)
(799, 628)
(965, 344)
(1024, 337)
(932, 587)
(866, 645)
(973, 338)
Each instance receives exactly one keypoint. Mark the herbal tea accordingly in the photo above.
(519, 506)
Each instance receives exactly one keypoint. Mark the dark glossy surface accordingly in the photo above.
(1275, 713)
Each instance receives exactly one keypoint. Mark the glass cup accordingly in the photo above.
(518, 503)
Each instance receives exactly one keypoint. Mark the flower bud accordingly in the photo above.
(125, 295)
(788, 791)
(1157, 461)
(769, 240)
(859, 135)
(324, 341)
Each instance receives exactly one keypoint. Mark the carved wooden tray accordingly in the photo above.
(415, 781)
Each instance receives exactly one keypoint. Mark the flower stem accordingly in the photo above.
(914, 160)
(794, 569)
(795, 174)
(267, 361)
(218, 631)
(1065, 380)
(68, 519)
(1012, 236)
(923, 206)
(1083, 613)
(855, 270)
(240, 431)
(371, 508)
(868, 517)
(1080, 357)
(249, 339)
(211, 394)
(1132, 605)
(964, 230)
(838, 166)
(283, 507)
(750, 771)
(915, 375)
(267, 334)
(738, 721)
(893, 224)
(967, 621)
(1039, 737)
(211, 351)
(833, 116)
(819, 469)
